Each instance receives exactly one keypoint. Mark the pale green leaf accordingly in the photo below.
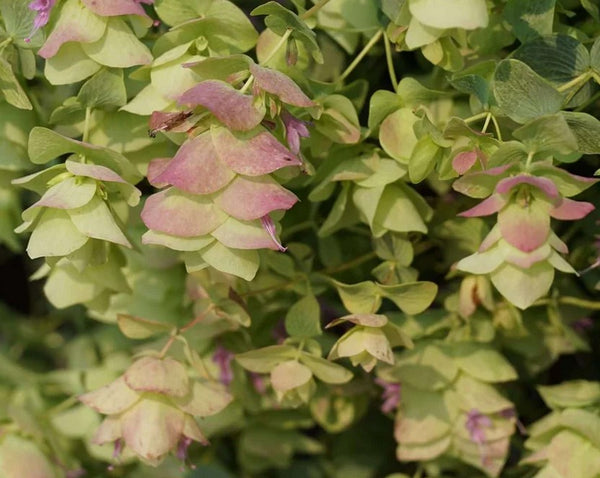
(303, 318)
(522, 94)
(105, 90)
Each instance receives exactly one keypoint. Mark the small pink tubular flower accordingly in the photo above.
(390, 395)
(223, 357)
(150, 409)
(476, 424)
(294, 130)
(43, 9)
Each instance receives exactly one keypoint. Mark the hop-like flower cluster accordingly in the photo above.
(220, 195)
(74, 226)
(89, 34)
(521, 252)
(151, 409)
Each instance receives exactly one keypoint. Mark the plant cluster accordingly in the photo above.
(299, 238)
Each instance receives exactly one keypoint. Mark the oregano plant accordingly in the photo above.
(299, 238)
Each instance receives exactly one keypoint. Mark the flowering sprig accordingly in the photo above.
(521, 252)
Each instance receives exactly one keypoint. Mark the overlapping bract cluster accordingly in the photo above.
(433, 26)
(521, 252)
(220, 194)
(466, 415)
(291, 370)
(151, 409)
(89, 34)
(565, 442)
(78, 221)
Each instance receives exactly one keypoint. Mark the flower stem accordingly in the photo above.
(374, 39)
(269, 57)
(314, 9)
(497, 128)
(487, 122)
(529, 159)
(574, 301)
(574, 82)
(279, 44)
(581, 303)
(86, 124)
(390, 63)
(476, 117)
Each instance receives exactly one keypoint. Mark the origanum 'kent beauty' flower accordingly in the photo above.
(223, 357)
(370, 340)
(151, 409)
(521, 251)
(390, 395)
(43, 8)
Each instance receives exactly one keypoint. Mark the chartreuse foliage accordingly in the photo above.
(317, 238)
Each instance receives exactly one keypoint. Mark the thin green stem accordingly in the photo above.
(279, 44)
(290, 231)
(374, 39)
(529, 160)
(269, 57)
(86, 124)
(581, 303)
(67, 403)
(497, 128)
(314, 9)
(350, 264)
(574, 301)
(476, 117)
(487, 122)
(574, 82)
(390, 62)
(247, 84)
(328, 270)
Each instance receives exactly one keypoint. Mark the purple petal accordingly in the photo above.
(43, 7)
(254, 156)
(524, 227)
(546, 185)
(236, 110)
(253, 198)
(486, 207)
(269, 226)
(294, 130)
(196, 168)
(180, 214)
(280, 85)
(111, 8)
(569, 210)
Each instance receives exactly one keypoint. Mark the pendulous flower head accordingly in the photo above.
(151, 408)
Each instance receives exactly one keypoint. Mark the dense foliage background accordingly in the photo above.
(346, 238)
